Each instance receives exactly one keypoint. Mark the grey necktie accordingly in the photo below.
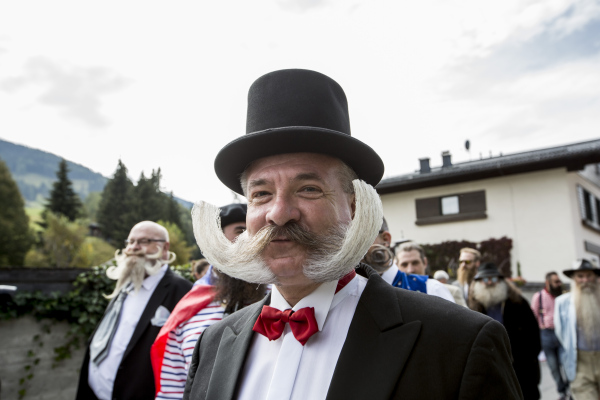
(107, 328)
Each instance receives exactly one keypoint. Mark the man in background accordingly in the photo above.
(199, 268)
(117, 361)
(542, 305)
(499, 299)
(468, 264)
(577, 327)
(411, 277)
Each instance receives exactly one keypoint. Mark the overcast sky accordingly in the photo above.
(164, 84)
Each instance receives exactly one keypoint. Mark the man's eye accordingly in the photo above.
(310, 189)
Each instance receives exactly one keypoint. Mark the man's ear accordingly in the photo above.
(387, 238)
(166, 250)
(425, 262)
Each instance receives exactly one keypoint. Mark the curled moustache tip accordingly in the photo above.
(172, 257)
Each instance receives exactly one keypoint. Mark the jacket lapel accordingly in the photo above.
(159, 294)
(232, 352)
(377, 346)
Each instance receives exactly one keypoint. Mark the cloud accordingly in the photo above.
(301, 5)
(75, 91)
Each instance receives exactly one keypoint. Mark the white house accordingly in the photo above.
(547, 201)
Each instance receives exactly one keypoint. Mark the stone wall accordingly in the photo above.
(48, 383)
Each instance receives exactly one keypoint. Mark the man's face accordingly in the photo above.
(303, 188)
(554, 284)
(584, 279)
(410, 262)
(467, 261)
(147, 238)
(234, 230)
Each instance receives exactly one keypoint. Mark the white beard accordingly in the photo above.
(490, 296)
(243, 259)
(587, 307)
(133, 268)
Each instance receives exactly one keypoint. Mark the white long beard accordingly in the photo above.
(133, 268)
(243, 258)
(490, 296)
(587, 306)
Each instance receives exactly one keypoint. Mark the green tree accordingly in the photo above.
(15, 236)
(115, 212)
(178, 245)
(63, 199)
(149, 201)
(91, 205)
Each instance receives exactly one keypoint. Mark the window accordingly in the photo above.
(589, 206)
(455, 207)
(449, 205)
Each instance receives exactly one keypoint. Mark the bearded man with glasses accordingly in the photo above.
(499, 299)
(468, 263)
(117, 361)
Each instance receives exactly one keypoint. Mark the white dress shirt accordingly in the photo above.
(434, 287)
(101, 378)
(284, 369)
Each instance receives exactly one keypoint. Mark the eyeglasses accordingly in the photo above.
(142, 242)
(493, 279)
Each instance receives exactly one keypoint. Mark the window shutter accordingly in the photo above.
(472, 202)
(427, 208)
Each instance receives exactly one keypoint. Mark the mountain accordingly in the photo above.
(35, 171)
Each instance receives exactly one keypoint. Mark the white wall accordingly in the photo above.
(581, 232)
(533, 209)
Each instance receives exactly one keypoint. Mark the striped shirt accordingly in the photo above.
(180, 347)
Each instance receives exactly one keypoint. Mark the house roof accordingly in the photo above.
(573, 157)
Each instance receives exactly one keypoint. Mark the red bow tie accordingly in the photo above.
(271, 322)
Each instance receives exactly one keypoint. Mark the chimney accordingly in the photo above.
(446, 159)
(425, 168)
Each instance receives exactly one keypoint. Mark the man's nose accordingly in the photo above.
(283, 210)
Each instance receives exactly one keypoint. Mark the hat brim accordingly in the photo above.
(487, 274)
(570, 272)
(233, 159)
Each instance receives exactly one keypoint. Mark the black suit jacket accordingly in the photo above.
(135, 379)
(400, 344)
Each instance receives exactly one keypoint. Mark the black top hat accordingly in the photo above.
(488, 270)
(581, 265)
(231, 213)
(296, 111)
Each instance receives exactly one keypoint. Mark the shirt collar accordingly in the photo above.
(390, 274)
(322, 299)
(150, 282)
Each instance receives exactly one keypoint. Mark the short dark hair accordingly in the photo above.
(200, 265)
(549, 275)
(384, 226)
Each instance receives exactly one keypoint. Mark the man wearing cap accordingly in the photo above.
(577, 327)
(204, 305)
(312, 216)
(492, 295)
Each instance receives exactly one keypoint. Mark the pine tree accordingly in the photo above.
(63, 199)
(115, 213)
(15, 236)
(149, 200)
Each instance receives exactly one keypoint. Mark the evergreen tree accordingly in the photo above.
(115, 213)
(63, 199)
(15, 236)
(149, 200)
(173, 211)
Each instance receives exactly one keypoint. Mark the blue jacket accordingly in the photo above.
(565, 327)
